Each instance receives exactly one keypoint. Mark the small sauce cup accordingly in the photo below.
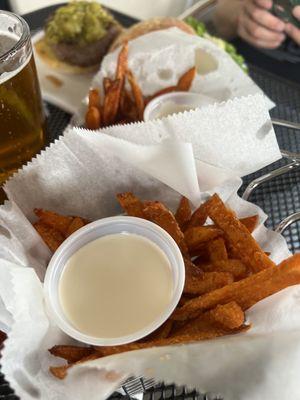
(175, 102)
(91, 232)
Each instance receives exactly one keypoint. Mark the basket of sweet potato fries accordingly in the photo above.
(226, 272)
(120, 105)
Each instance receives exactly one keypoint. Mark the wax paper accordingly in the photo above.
(79, 175)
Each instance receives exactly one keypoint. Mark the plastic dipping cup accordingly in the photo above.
(91, 232)
(175, 102)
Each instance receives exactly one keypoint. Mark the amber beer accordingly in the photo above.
(22, 120)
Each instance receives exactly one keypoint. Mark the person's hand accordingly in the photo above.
(258, 26)
(292, 30)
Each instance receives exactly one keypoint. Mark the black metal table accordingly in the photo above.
(278, 198)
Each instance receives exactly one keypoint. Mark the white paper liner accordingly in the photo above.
(80, 175)
(92, 169)
(160, 58)
(89, 168)
(244, 366)
(19, 242)
(29, 339)
(226, 135)
(6, 291)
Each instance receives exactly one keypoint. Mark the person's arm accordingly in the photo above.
(225, 17)
(292, 30)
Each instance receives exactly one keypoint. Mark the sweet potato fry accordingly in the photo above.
(198, 217)
(112, 102)
(234, 267)
(54, 220)
(161, 92)
(3, 337)
(123, 121)
(76, 224)
(71, 353)
(197, 325)
(132, 205)
(126, 104)
(250, 222)
(159, 214)
(137, 94)
(114, 89)
(229, 315)
(202, 256)
(204, 334)
(197, 236)
(183, 213)
(233, 253)
(238, 236)
(162, 332)
(246, 292)
(207, 282)
(122, 63)
(184, 299)
(227, 319)
(51, 236)
(93, 118)
(61, 371)
(106, 84)
(191, 269)
(185, 81)
(128, 110)
(173, 340)
(94, 98)
(217, 250)
(192, 275)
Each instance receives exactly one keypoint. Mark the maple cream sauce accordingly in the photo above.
(115, 285)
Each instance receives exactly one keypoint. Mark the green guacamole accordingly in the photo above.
(201, 30)
(79, 22)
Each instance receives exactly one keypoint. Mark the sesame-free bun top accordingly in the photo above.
(150, 25)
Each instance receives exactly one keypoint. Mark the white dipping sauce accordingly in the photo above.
(115, 285)
(169, 108)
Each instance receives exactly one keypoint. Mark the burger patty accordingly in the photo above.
(89, 54)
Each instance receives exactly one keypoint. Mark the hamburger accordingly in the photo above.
(77, 37)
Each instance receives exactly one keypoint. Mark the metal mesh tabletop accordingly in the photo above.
(280, 197)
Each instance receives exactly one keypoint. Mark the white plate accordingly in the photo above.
(74, 88)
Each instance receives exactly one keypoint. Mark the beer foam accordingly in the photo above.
(6, 75)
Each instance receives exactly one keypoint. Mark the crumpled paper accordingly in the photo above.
(246, 366)
(79, 175)
(31, 335)
(226, 135)
(194, 152)
(252, 365)
(218, 75)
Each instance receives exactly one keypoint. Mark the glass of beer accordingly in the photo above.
(22, 119)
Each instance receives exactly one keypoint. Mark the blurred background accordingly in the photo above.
(141, 9)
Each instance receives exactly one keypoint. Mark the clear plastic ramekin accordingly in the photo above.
(93, 231)
(186, 99)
